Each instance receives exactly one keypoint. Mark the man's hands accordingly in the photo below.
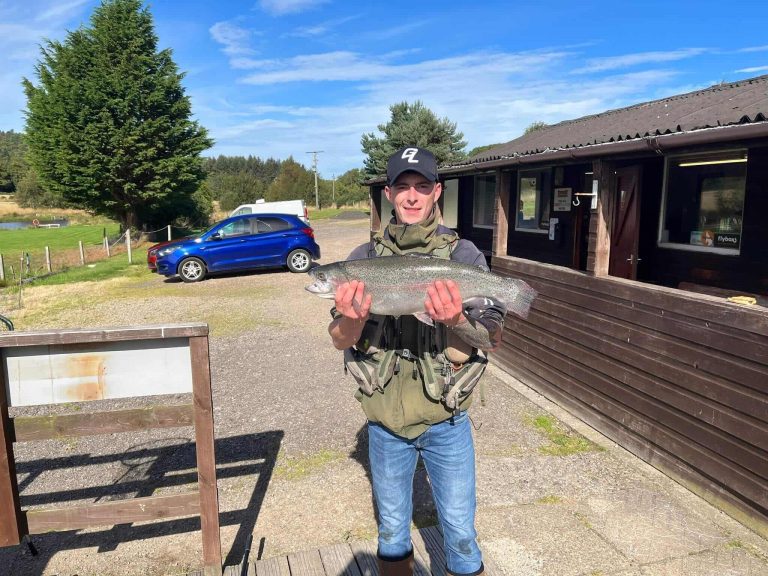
(351, 300)
(443, 303)
(354, 305)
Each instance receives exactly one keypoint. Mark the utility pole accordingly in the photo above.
(314, 167)
(333, 191)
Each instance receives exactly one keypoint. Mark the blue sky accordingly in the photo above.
(274, 78)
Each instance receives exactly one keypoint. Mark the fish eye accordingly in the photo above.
(321, 276)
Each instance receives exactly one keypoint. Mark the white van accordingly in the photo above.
(292, 207)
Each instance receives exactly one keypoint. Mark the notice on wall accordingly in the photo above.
(562, 199)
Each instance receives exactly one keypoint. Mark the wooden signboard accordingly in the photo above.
(59, 366)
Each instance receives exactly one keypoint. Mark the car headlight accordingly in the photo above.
(165, 251)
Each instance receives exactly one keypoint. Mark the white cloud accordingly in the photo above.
(627, 60)
(281, 7)
(491, 96)
(62, 10)
(752, 70)
(350, 66)
(395, 31)
(755, 49)
(321, 29)
(234, 38)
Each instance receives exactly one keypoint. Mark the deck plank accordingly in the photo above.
(428, 542)
(306, 563)
(277, 566)
(357, 559)
(339, 560)
(365, 556)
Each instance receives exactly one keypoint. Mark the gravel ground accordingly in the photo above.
(290, 442)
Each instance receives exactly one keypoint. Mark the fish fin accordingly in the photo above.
(424, 317)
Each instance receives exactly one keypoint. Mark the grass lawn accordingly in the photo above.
(331, 212)
(67, 237)
(102, 270)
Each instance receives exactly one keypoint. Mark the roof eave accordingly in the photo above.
(658, 143)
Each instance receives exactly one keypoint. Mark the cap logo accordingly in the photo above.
(410, 154)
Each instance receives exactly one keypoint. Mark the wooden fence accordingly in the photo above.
(679, 379)
(59, 366)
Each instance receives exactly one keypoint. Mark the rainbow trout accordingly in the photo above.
(398, 284)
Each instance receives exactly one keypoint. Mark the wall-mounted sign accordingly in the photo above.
(562, 200)
(725, 240)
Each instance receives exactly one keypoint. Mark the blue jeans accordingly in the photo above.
(449, 456)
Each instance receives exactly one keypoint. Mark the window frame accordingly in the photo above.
(541, 204)
(477, 177)
(663, 212)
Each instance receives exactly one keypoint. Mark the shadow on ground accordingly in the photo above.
(149, 469)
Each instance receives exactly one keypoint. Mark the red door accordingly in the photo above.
(626, 224)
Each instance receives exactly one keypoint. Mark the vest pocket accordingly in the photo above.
(371, 371)
(463, 381)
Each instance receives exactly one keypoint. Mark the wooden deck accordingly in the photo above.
(351, 559)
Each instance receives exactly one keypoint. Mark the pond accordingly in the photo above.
(20, 225)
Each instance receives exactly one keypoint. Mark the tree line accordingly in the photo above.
(229, 180)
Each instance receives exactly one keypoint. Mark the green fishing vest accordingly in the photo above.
(388, 345)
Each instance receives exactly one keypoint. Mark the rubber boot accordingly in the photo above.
(478, 573)
(403, 567)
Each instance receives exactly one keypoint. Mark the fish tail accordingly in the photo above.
(521, 298)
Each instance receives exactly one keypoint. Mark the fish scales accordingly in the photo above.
(398, 284)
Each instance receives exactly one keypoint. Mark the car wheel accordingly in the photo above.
(299, 261)
(192, 270)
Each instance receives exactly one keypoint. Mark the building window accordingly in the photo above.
(484, 201)
(533, 201)
(450, 200)
(704, 202)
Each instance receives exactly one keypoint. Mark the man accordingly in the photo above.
(406, 418)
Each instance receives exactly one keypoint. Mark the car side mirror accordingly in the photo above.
(215, 236)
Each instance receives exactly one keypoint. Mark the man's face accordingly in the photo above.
(413, 197)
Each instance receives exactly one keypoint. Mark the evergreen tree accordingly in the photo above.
(349, 188)
(108, 124)
(12, 164)
(29, 194)
(294, 182)
(231, 190)
(412, 125)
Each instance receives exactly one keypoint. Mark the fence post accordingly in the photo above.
(48, 259)
(2, 268)
(82, 254)
(106, 245)
(128, 244)
(169, 232)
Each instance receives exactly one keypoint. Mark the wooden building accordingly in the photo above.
(636, 226)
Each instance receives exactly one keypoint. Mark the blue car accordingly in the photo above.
(241, 243)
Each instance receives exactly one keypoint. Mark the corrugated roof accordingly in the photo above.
(742, 102)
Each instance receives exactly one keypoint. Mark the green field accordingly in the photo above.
(332, 212)
(65, 238)
(102, 270)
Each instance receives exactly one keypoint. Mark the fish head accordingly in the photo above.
(325, 280)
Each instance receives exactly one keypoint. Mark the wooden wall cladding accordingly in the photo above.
(679, 379)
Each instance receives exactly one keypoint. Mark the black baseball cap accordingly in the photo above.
(412, 159)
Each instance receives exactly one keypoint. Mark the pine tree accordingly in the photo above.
(412, 125)
(108, 124)
(294, 182)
